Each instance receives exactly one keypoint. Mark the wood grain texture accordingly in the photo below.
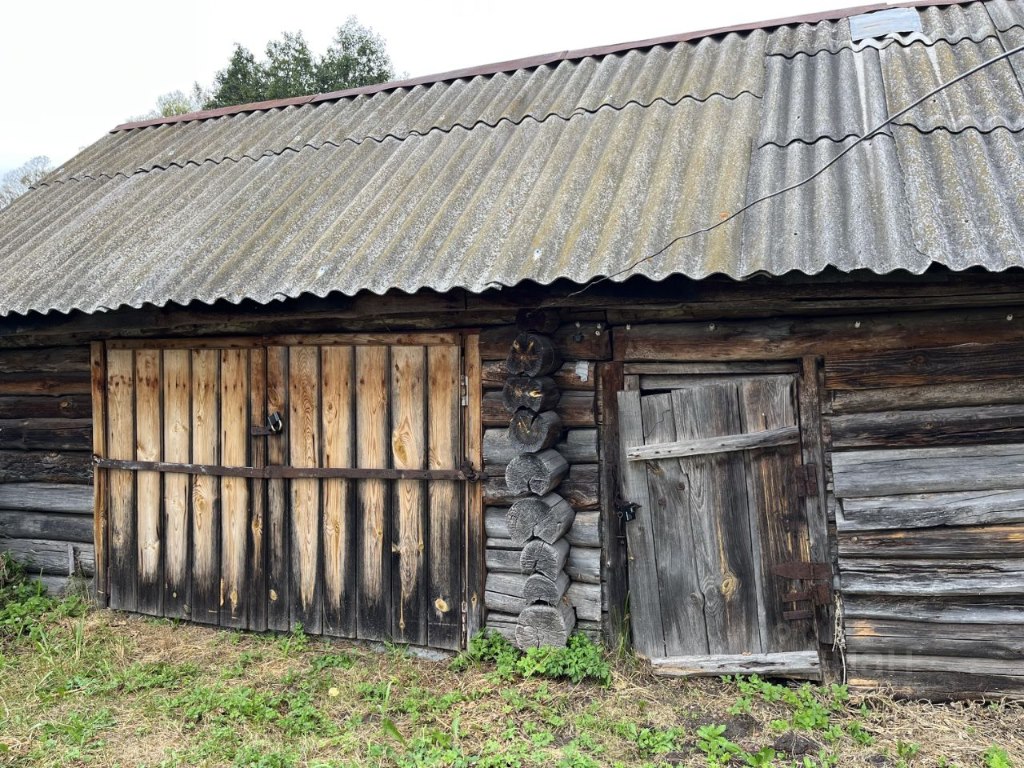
(45, 525)
(373, 508)
(966, 543)
(45, 407)
(767, 438)
(924, 510)
(278, 534)
(47, 497)
(474, 525)
(408, 531)
(205, 490)
(576, 376)
(338, 396)
(234, 491)
(122, 560)
(777, 517)
(577, 446)
(575, 409)
(928, 470)
(304, 441)
(148, 439)
(49, 466)
(256, 554)
(101, 482)
(945, 426)
(644, 597)
(177, 445)
(800, 664)
(445, 556)
(933, 578)
(927, 396)
(46, 434)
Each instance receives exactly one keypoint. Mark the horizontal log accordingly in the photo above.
(541, 625)
(575, 409)
(588, 342)
(927, 470)
(578, 375)
(928, 396)
(499, 601)
(46, 497)
(532, 354)
(44, 525)
(579, 488)
(594, 630)
(957, 664)
(540, 589)
(586, 599)
(45, 407)
(790, 337)
(46, 434)
(930, 578)
(935, 686)
(506, 583)
(538, 393)
(752, 440)
(45, 383)
(45, 467)
(497, 618)
(709, 369)
(585, 530)
(548, 518)
(55, 558)
(803, 665)
(924, 510)
(1001, 611)
(503, 560)
(944, 426)
(984, 641)
(45, 360)
(577, 446)
(965, 543)
(530, 432)
(584, 565)
(968, 362)
(655, 383)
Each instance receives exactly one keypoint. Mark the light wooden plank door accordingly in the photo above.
(712, 469)
(312, 482)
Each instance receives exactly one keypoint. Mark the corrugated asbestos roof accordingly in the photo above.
(570, 169)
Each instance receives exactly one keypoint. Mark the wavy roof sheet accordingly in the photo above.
(577, 168)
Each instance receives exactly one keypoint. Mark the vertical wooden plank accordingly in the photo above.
(304, 440)
(148, 428)
(278, 540)
(644, 599)
(205, 490)
(122, 563)
(444, 509)
(101, 477)
(615, 629)
(374, 535)
(337, 372)
(177, 381)
(234, 442)
(476, 537)
(676, 537)
(408, 451)
(721, 519)
(256, 583)
(811, 399)
(780, 533)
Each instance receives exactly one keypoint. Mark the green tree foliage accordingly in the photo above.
(357, 56)
(16, 182)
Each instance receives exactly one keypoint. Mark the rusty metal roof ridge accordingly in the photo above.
(527, 63)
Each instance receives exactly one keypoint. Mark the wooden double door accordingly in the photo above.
(260, 484)
(712, 469)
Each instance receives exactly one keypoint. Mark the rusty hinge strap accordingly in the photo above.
(350, 473)
(801, 570)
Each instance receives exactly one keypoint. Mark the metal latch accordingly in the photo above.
(818, 593)
(626, 509)
(275, 424)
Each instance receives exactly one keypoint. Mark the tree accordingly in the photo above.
(358, 56)
(16, 182)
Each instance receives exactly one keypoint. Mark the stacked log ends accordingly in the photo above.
(539, 521)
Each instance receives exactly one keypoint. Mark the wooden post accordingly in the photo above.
(101, 476)
(476, 571)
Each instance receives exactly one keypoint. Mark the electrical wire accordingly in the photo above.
(796, 185)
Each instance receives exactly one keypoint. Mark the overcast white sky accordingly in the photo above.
(72, 70)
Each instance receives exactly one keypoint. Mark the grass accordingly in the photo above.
(98, 688)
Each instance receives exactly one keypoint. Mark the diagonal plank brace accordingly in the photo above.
(764, 439)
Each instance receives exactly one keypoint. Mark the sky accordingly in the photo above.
(72, 70)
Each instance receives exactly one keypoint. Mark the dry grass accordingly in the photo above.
(107, 689)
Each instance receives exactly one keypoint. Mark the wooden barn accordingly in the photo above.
(705, 343)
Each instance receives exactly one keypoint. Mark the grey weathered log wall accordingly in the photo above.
(46, 498)
(928, 484)
(581, 345)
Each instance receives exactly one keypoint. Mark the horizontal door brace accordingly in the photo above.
(347, 473)
(767, 438)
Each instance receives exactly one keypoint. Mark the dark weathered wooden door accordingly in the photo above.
(312, 480)
(712, 466)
